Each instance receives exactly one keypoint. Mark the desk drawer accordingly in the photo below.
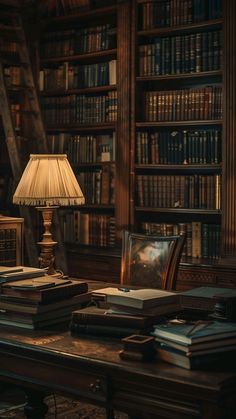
(79, 381)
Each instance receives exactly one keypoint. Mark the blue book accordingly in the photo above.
(189, 333)
(195, 362)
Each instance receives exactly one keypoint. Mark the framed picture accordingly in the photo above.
(150, 261)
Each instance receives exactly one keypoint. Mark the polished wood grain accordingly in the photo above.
(90, 369)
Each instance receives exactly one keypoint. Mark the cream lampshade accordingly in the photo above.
(48, 182)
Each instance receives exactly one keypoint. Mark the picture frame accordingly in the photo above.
(150, 261)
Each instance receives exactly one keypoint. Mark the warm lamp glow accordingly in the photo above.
(47, 182)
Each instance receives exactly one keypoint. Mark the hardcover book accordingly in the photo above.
(22, 272)
(46, 295)
(7, 269)
(187, 333)
(137, 298)
(21, 305)
(104, 330)
(99, 316)
(202, 298)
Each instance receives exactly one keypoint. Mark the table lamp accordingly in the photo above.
(48, 182)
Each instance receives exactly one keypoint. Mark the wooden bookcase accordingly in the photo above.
(177, 133)
(11, 240)
(84, 78)
(196, 67)
(174, 133)
(182, 132)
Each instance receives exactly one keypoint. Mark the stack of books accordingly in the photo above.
(196, 346)
(125, 311)
(30, 299)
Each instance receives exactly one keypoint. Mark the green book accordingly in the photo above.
(189, 333)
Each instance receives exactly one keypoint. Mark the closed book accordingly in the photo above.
(138, 298)
(175, 357)
(202, 298)
(47, 294)
(22, 272)
(11, 304)
(214, 345)
(187, 333)
(7, 269)
(99, 316)
(156, 311)
(39, 325)
(104, 330)
(37, 318)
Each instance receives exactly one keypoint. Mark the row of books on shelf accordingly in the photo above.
(79, 109)
(98, 186)
(192, 53)
(202, 239)
(70, 76)
(84, 148)
(177, 191)
(71, 42)
(91, 148)
(201, 103)
(88, 228)
(30, 299)
(179, 147)
(162, 13)
(8, 246)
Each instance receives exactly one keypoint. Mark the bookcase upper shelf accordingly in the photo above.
(184, 76)
(200, 26)
(89, 56)
(72, 128)
(179, 123)
(199, 211)
(78, 91)
(180, 167)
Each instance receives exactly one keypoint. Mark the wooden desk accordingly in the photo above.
(90, 369)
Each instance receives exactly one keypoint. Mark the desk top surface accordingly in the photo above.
(59, 348)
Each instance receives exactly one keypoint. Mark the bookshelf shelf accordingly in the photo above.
(78, 91)
(184, 76)
(99, 207)
(200, 26)
(93, 164)
(86, 57)
(179, 123)
(82, 128)
(180, 167)
(195, 211)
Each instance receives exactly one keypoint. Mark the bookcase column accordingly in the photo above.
(123, 117)
(229, 135)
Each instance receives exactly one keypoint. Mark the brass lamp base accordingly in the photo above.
(47, 244)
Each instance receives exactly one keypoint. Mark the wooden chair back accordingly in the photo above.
(150, 261)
